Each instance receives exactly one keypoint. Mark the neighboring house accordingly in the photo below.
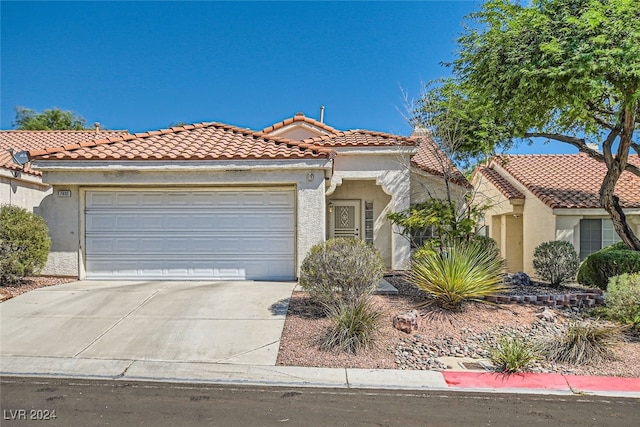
(23, 187)
(539, 198)
(214, 201)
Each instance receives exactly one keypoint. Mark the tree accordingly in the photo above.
(441, 128)
(565, 70)
(52, 119)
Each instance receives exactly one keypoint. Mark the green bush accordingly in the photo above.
(556, 262)
(353, 326)
(614, 260)
(583, 344)
(512, 354)
(24, 243)
(623, 300)
(341, 270)
(464, 272)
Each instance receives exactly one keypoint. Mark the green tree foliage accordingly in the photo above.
(52, 119)
(24, 243)
(565, 70)
(449, 223)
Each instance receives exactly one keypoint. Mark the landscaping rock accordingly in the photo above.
(407, 322)
(521, 279)
(546, 315)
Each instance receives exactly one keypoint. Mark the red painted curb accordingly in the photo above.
(540, 381)
(603, 383)
(496, 380)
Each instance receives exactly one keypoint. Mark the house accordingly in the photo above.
(539, 198)
(215, 201)
(23, 187)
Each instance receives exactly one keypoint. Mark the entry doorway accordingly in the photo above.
(345, 219)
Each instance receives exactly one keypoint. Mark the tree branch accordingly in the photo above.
(582, 146)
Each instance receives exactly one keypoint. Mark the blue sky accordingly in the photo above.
(146, 65)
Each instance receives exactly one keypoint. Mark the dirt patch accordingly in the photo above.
(30, 284)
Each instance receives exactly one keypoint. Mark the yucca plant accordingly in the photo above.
(512, 354)
(353, 326)
(463, 272)
(583, 343)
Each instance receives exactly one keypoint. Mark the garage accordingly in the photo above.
(187, 234)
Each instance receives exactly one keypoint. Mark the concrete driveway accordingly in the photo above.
(209, 322)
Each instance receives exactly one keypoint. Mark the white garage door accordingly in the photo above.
(190, 235)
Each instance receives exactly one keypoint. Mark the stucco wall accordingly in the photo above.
(568, 225)
(65, 214)
(424, 187)
(369, 191)
(388, 168)
(26, 192)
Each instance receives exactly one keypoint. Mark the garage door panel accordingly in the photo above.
(190, 234)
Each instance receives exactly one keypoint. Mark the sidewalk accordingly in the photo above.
(291, 376)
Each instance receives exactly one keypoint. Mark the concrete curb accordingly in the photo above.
(294, 376)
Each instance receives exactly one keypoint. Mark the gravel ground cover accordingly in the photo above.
(467, 333)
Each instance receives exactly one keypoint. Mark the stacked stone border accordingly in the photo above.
(588, 298)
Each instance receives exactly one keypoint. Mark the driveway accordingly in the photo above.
(209, 322)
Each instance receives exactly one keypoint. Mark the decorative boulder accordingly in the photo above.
(546, 315)
(520, 279)
(407, 322)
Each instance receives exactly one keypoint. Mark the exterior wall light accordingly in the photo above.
(330, 205)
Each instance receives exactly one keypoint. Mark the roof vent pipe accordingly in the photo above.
(97, 126)
(322, 114)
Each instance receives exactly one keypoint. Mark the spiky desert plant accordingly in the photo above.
(463, 272)
(583, 343)
(512, 354)
(353, 326)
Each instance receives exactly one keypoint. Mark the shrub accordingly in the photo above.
(489, 245)
(556, 261)
(614, 260)
(464, 272)
(512, 354)
(341, 270)
(24, 243)
(623, 300)
(353, 326)
(583, 343)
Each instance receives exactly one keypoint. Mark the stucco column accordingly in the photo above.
(397, 183)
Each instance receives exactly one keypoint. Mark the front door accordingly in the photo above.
(344, 221)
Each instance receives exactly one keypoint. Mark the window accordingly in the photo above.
(368, 222)
(419, 237)
(595, 234)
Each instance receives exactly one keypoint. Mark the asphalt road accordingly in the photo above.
(31, 401)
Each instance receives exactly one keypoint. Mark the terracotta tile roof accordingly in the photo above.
(299, 117)
(28, 140)
(504, 186)
(569, 180)
(430, 159)
(202, 141)
(361, 138)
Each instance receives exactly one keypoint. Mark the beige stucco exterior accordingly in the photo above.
(379, 175)
(359, 173)
(520, 225)
(25, 191)
(65, 218)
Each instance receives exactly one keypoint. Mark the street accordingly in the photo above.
(68, 402)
